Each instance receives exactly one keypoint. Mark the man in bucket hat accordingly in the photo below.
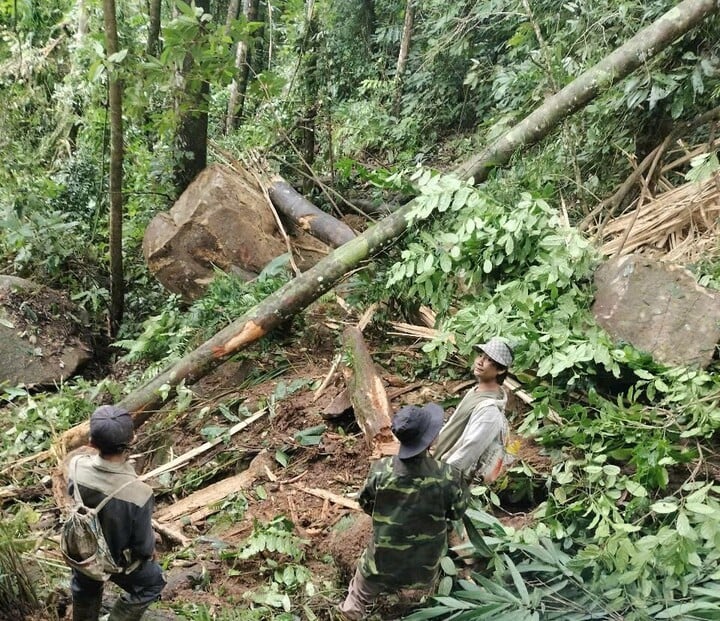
(476, 434)
(126, 520)
(411, 498)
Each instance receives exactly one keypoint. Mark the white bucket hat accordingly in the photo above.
(498, 351)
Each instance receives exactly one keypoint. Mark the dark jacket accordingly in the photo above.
(410, 501)
(126, 519)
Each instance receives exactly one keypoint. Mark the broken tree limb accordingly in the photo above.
(171, 534)
(307, 216)
(180, 460)
(367, 394)
(204, 502)
(326, 495)
(635, 53)
(300, 292)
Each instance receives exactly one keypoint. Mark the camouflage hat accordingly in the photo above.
(416, 427)
(111, 428)
(498, 351)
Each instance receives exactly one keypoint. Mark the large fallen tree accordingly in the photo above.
(277, 308)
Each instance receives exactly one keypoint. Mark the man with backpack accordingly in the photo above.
(473, 439)
(125, 520)
(411, 498)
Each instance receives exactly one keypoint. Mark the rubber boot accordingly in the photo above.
(86, 608)
(124, 611)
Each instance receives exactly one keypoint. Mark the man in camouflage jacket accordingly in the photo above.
(411, 497)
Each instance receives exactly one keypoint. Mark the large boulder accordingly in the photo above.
(658, 308)
(42, 337)
(221, 221)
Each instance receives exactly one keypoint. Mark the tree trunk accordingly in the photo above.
(404, 51)
(310, 285)
(238, 87)
(117, 282)
(647, 43)
(191, 136)
(153, 40)
(367, 394)
(305, 215)
(82, 21)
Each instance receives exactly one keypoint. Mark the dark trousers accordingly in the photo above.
(142, 587)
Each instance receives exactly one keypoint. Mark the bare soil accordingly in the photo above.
(334, 536)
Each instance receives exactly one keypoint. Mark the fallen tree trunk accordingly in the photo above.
(306, 288)
(307, 216)
(368, 397)
(198, 505)
(647, 43)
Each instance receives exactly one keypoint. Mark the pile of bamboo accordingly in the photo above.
(679, 225)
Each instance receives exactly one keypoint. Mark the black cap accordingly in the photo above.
(111, 429)
(416, 427)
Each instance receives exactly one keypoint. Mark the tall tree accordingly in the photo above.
(404, 51)
(192, 131)
(238, 87)
(153, 39)
(117, 279)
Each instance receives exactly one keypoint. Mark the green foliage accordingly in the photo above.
(20, 593)
(281, 553)
(31, 421)
(167, 336)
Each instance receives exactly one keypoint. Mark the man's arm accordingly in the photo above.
(366, 499)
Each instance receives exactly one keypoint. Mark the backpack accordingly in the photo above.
(82, 541)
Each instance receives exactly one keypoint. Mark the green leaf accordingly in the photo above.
(448, 566)
(476, 538)
(702, 509)
(117, 57)
(683, 526)
(664, 506)
(635, 489)
(281, 458)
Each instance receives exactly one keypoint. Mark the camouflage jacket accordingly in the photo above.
(410, 502)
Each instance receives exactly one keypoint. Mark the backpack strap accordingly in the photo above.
(104, 501)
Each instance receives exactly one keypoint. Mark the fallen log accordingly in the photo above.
(180, 460)
(297, 294)
(635, 53)
(204, 502)
(368, 397)
(307, 216)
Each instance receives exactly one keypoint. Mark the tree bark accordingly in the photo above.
(153, 40)
(367, 394)
(310, 285)
(307, 216)
(238, 87)
(192, 131)
(404, 51)
(117, 281)
(646, 44)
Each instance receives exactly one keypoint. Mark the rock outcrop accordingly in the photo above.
(42, 337)
(658, 308)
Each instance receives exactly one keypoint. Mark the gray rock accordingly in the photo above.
(658, 308)
(42, 335)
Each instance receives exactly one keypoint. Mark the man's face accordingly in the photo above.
(484, 369)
